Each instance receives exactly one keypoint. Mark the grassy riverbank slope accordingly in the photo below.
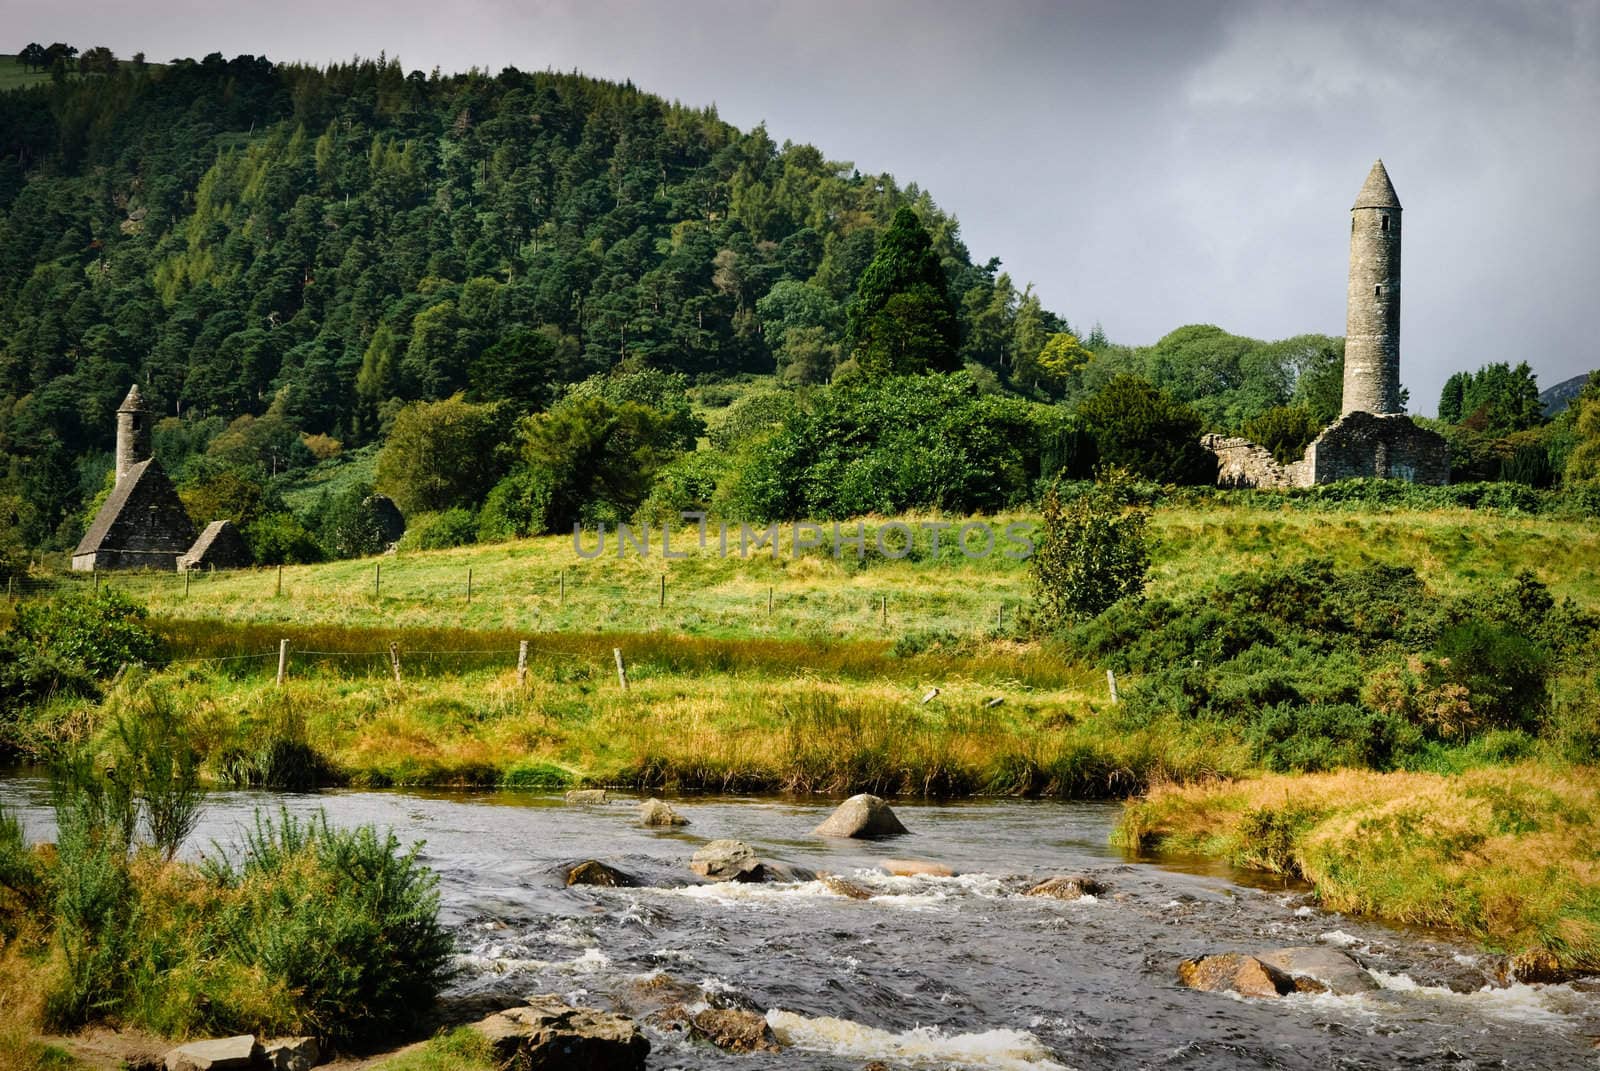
(1505, 855)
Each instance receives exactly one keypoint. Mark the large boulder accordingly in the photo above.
(290, 1054)
(659, 813)
(1330, 967)
(594, 872)
(865, 815)
(1067, 887)
(215, 1054)
(549, 1035)
(587, 796)
(728, 860)
(1232, 972)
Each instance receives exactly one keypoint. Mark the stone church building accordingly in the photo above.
(143, 525)
(1372, 437)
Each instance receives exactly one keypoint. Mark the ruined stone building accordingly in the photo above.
(143, 525)
(1372, 437)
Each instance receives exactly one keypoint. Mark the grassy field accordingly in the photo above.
(542, 585)
(14, 75)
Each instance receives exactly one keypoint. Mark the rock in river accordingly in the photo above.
(549, 1035)
(1330, 967)
(585, 796)
(594, 872)
(1067, 887)
(865, 815)
(660, 813)
(727, 860)
(730, 1029)
(1245, 975)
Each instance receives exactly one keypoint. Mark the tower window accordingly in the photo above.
(1386, 224)
(1377, 291)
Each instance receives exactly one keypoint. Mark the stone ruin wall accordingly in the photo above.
(1359, 445)
(1241, 463)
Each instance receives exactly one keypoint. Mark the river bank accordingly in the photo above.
(930, 971)
(1504, 855)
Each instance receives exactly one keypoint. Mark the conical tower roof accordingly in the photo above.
(1377, 191)
(133, 403)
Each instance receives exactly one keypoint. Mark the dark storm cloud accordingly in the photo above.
(1145, 165)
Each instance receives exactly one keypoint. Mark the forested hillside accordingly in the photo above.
(235, 233)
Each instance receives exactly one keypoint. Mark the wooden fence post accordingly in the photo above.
(280, 580)
(884, 606)
(394, 660)
(563, 588)
(622, 674)
(469, 585)
(522, 663)
(663, 603)
(186, 573)
(283, 660)
(1111, 683)
(769, 600)
(377, 578)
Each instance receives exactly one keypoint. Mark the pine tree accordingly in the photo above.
(903, 320)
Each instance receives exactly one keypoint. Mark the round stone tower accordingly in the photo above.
(1372, 317)
(133, 432)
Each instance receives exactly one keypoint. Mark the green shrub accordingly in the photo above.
(517, 507)
(1285, 431)
(1144, 430)
(344, 918)
(1310, 737)
(441, 531)
(1503, 672)
(280, 539)
(1091, 553)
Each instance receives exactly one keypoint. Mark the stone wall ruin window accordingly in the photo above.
(1377, 291)
(1386, 224)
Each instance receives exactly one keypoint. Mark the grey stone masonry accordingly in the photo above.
(1241, 463)
(133, 432)
(1390, 447)
(220, 546)
(1372, 309)
(141, 526)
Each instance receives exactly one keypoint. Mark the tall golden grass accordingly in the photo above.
(1507, 855)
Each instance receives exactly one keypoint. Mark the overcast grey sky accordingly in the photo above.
(1144, 165)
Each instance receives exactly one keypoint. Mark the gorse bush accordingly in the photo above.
(344, 918)
(1317, 667)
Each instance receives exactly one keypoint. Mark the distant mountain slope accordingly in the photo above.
(1558, 397)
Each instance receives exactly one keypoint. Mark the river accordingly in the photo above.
(931, 972)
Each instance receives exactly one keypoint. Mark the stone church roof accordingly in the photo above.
(220, 546)
(1377, 191)
(134, 402)
(142, 514)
